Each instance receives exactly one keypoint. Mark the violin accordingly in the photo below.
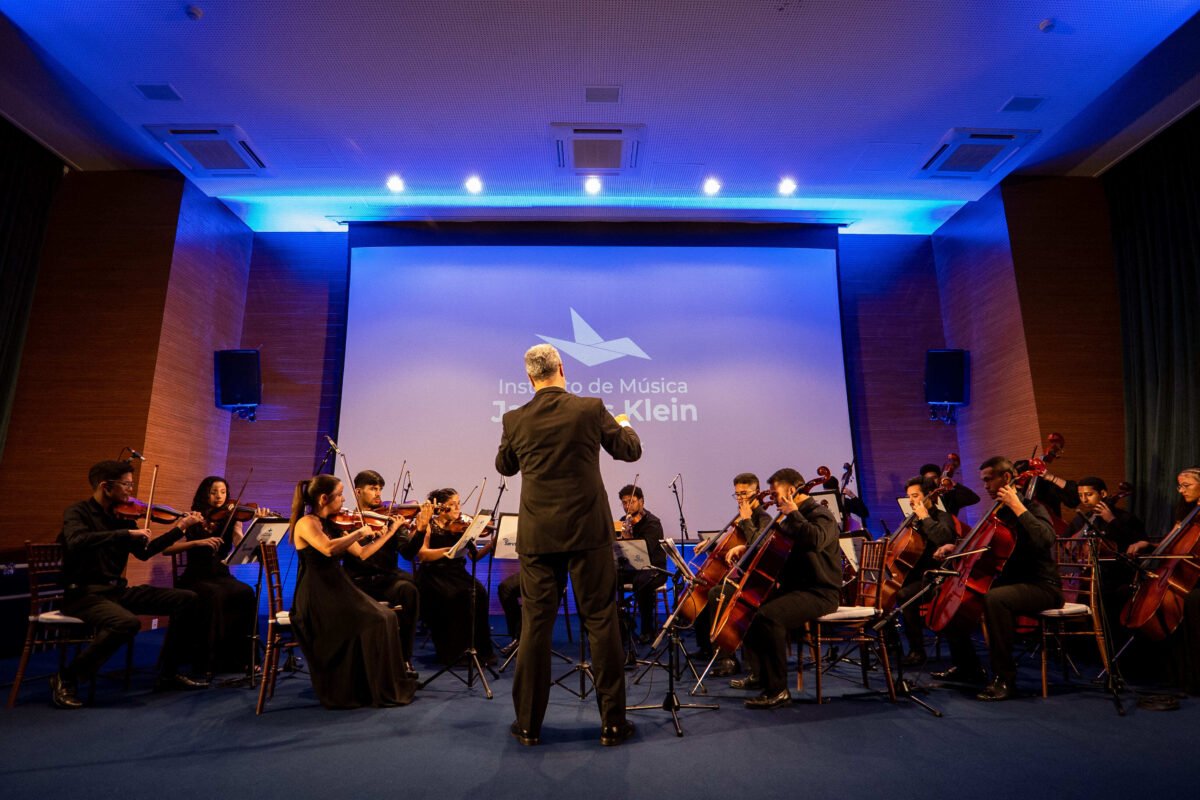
(347, 520)
(394, 509)
(132, 508)
(906, 548)
(240, 513)
(960, 600)
(712, 572)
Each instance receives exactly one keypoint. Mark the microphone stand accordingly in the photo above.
(475, 667)
(683, 530)
(330, 455)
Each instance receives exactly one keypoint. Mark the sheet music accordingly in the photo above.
(478, 523)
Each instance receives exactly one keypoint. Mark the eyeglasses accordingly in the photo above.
(744, 495)
(125, 484)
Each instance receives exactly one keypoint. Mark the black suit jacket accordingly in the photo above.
(554, 441)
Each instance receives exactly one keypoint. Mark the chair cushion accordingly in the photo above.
(55, 618)
(283, 618)
(1068, 610)
(848, 614)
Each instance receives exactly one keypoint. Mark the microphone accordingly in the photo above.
(135, 454)
(332, 444)
(674, 480)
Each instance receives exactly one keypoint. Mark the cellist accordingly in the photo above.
(809, 587)
(1029, 584)
(937, 528)
(1184, 654)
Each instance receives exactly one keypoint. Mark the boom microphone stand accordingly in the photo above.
(674, 486)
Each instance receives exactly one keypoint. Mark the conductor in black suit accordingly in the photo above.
(565, 526)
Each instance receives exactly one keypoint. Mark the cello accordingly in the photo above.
(759, 568)
(712, 572)
(960, 600)
(905, 549)
(1054, 448)
(1156, 608)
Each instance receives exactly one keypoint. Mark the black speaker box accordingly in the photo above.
(237, 380)
(948, 377)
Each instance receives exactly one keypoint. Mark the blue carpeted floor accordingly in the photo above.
(452, 742)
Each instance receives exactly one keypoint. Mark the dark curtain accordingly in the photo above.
(1154, 196)
(29, 176)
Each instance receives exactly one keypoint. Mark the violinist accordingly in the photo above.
(1121, 535)
(752, 520)
(638, 523)
(1028, 585)
(379, 575)
(937, 528)
(224, 621)
(97, 544)
(349, 640)
(809, 587)
(957, 498)
(446, 583)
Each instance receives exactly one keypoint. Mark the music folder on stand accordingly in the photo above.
(674, 646)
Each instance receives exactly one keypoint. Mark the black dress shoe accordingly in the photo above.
(725, 667)
(62, 693)
(613, 735)
(998, 689)
(958, 675)
(178, 681)
(748, 682)
(768, 701)
(915, 658)
(527, 738)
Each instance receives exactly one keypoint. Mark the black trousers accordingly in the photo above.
(645, 583)
(397, 589)
(594, 578)
(113, 616)
(509, 593)
(766, 645)
(914, 623)
(1001, 607)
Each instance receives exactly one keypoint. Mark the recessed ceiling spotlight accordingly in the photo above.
(474, 185)
(395, 183)
(711, 186)
(592, 185)
(787, 186)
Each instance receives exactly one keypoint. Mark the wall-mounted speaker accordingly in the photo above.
(947, 377)
(237, 380)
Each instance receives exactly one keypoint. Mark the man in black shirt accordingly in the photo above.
(751, 521)
(1028, 585)
(96, 548)
(809, 587)
(638, 523)
(957, 498)
(379, 575)
(937, 529)
(1121, 534)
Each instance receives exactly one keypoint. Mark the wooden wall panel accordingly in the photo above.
(1066, 279)
(88, 366)
(186, 434)
(296, 315)
(981, 312)
(890, 316)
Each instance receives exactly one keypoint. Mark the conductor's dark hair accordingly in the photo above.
(630, 489)
(368, 477)
(108, 471)
(787, 475)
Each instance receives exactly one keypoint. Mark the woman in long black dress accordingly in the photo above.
(445, 583)
(220, 628)
(351, 642)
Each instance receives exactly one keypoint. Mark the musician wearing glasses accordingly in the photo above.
(808, 587)
(96, 549)
(752, 519)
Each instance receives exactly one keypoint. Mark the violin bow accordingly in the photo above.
(150, 501)
(236, 504)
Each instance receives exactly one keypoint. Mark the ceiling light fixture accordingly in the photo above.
(474, 185)
(395, 183)
(787, 186)
(712, 186)
(592, 185)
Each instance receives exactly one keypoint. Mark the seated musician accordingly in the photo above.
(96, 549)
(1053, 492)
(219, 634)
(752, 520)
(1121, 534)
(446, 583)
(937, 528)
(808, 587)
(509, 594)
(638, 523)
(379, 575)
(957, 498)
(1184, 643)
(1028, 585)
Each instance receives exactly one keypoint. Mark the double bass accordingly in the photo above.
(711, 574)
(905, 549)
(1156, 608)
(960, 600)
